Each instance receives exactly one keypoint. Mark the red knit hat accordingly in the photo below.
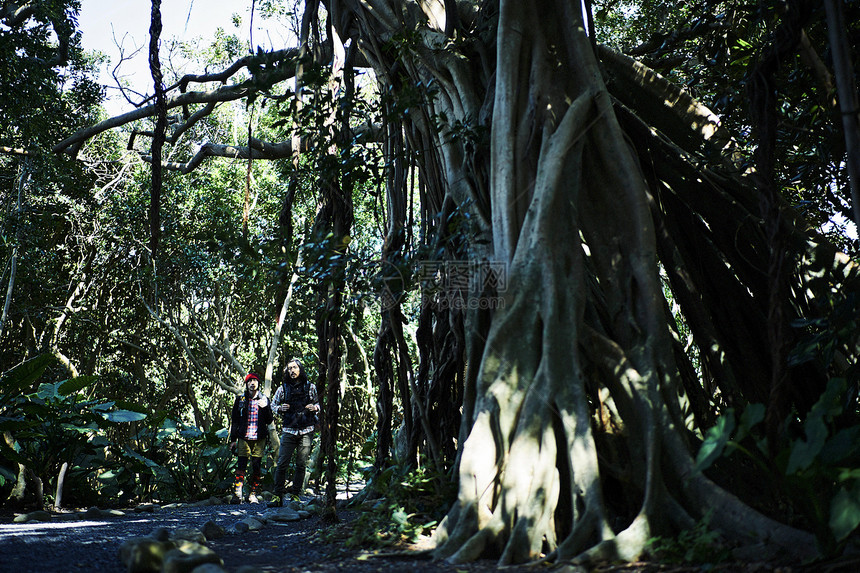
(250, 377)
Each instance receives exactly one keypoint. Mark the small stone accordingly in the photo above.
(33, 516)
(189, 534)
(212, 530)
(185, 558)
(239, 527)
(147, 508)
(93, 513)
(284, 514)
(160, 534)
(143, 554)
(253, 523)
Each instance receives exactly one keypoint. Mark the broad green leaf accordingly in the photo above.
(212, 451)
(753, 414)
(165, 432)
(15, 380)
(15, 424)
(49, 391)
(84, 429)
(190, 432)
(804, 452)
(130, 406)
(841, 446)
(845, 512)
(715, 440)
(124, 416)
(148, 462)
(75, 385)
(103, 407)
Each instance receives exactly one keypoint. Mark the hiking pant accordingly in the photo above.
(302, 446)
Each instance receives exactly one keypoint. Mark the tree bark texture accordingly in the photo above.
(559, 191)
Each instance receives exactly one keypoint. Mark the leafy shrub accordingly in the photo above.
(412, 503)
(55, 425)
(699, 545)
(818, 469)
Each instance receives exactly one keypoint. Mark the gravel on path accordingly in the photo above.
(92, 545)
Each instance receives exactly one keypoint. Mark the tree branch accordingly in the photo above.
(14, 15)
(224, 94)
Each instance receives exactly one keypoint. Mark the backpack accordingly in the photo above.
(297, 408)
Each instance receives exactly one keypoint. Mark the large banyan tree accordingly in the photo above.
(650, 270)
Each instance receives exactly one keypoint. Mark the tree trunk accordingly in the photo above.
(61, 480)
(848, 101)
(584, 315)
(23, 176)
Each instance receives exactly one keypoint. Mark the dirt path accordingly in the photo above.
(92, 544)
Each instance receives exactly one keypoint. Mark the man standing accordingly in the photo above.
(297, 402)
(252, 413)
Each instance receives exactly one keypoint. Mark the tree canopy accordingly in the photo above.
(586, 263)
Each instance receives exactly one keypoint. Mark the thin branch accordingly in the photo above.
(14, 15)
(17, 151)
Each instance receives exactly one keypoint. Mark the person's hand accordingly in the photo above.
(311, 407)
(283, 407)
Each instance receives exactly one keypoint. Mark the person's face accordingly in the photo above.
(293, 370)
(253, 385)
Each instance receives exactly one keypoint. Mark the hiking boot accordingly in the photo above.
(252, 498)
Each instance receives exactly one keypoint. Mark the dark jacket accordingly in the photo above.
(239, 416)
(298, 394)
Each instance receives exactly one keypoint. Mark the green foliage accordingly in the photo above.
(833, 330)
(722, 435)
(816, 470)
(711, 49)
(411, 503)
(699, 545)
(174, 461)
(56, 424)
(45, 90)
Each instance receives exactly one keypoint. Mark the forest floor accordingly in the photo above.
(301, 546)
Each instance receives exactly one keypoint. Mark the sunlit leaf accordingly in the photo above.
(124, 416)
(715, 441)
